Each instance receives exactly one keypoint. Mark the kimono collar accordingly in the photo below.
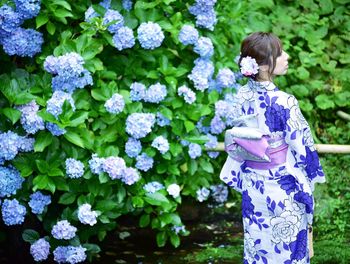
(262, 86)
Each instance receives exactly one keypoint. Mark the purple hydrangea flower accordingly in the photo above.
(13, 212)
(114, 167)
(195, 150)
(27, 9)
(40, 249)
(133, 147)
(131, 176)
(127, 4)
(204, 47)
(86, 216)
(150, 35)
(30, 120)
(113, 15)
(55, 103)
(225, 78)
(38, 201)
(138, 125)
(10, 181)
(202, 194)
(69, 254)
(162, 120)
(55, 129)
(144, 162)
(124, 38)
(161, 143)
(96, 164)
(23, 42)
(137, 91)
(153, 187)
(188, 35)
(74, 168)
(155, 93)
(63, 230)
(115, 104)
(187, 93)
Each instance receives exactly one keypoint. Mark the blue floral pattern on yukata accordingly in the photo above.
(277, 204)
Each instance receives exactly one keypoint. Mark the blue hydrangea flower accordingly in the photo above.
(13, 212)
(38, 201)
(23, 42)
(204, 47)
(131, 176)
(113, 15)
(27, 9)
(155, 93)
(74, 168)
(150, 35)
(161, 143)
(115, 104)
(137, 91)
(184, 142)
(212, 142)
(213, 154)
(30, 120)
(89, 14)
(63, 230)
(202, 194)
(225, 78)
(96, 164)
(9, 21)
(106, 4)
(55, 129)
(195, 150)
(161, 120)
(138, 125)
(127, 4)
(124, 38)
(187, 93)
(219, 193)
(217, 125)
(188, 35)
(226, 111)
(144, 162)
(86, 216)
(10, 181)
(55, 103)
(178, 229)
(40, 249)
(153, 187)
(201, 73)
(69, 254)
(11, 144)
(203, 129)
(133, 147)
(207, 20)
(114, 167)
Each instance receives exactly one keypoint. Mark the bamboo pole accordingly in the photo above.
(321, 148)
(343, 115)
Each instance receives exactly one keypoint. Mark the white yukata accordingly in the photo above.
(277, 203)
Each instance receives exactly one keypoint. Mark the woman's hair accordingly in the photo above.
(263, 47)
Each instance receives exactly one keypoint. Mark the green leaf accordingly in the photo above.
(42, 166)
(103, 178)
(166, 112)
(324, 102)
(156, 198)
(55, 172)
(174, 240)
(106, 205)
(78, 118)
(192, 167)
(13, 114)
(67, 198)
(206, 165)
(62, 13)
(41, 19)
(161, 239)
(92, 248)
(43, 140)
(144, 220)
(30, 235)
(74, 138)
(189, 126)
(50, 27)
(213, 96)
(302, 73)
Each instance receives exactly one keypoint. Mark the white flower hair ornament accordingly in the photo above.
(249, 66)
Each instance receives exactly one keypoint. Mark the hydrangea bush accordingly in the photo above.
(110, 115)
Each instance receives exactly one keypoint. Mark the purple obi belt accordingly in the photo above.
(259, 151)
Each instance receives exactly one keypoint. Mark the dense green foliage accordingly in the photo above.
(314, 34)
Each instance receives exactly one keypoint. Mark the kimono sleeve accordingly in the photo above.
(298, 136)
(231, 174)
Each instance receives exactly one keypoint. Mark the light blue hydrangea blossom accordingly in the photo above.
(217, 126)
(212, 143)
(201, 73)
(11, 144)
(10, 181)
(133, 147)
(161, 143)
(96, 164)
(219, 193)
(174, 190)
(205, 14)
(13, 212)
(153, 187)
(40, 249)
(225, 78)
(114, 167)
(55, 129)
(110, 16)
(124, 38)
(139, 125)
(202, 194)
(188, 35)
(115, 104)
(63, 230)
(74, 168)
(195, 150)
(150, 35)
(10, 20)
(55, 103)
(127, 4)
(30, 120)
(161, 120)
(38, 201)
(27, 9)
(86, 216)
(187, 93)
(69, 254)
(144, 162)
(131, 176)
(137, 91)
(155, 93)
(204, 47)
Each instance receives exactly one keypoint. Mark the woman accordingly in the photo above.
(276, 173)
